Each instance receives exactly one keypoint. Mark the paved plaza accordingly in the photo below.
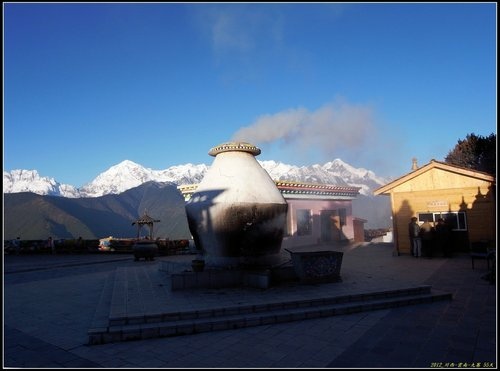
(51, 301)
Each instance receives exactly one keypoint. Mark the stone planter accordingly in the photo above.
(237, 214)
(317, 266)
(146, 249)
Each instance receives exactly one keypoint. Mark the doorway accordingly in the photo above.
(330, 225)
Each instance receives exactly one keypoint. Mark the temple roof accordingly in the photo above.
(290, 189)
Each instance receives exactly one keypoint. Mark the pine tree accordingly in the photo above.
(475, 152)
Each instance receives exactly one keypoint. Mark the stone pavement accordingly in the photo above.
(50, 303)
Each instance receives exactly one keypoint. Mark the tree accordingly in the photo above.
(475, 152)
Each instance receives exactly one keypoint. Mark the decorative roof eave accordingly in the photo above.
(299, 196)
(433, 164)
(284, 185)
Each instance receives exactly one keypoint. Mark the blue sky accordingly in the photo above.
(88, 85)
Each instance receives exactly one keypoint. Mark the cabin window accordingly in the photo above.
(304, 222)
(456, 219)
(423, 217)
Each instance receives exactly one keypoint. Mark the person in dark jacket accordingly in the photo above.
(443, 233)
(415, 240)
(427, 234)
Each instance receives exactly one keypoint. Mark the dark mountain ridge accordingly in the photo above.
(31, 216)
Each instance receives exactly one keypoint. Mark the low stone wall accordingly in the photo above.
(183, 277)
(220, 279)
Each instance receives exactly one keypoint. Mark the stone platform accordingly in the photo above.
(139, 303)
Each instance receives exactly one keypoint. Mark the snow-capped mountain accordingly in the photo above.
(128, 174)
(30, 181)
(335, 172)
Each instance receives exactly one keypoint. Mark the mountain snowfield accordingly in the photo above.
(128, 174)
(17, 181)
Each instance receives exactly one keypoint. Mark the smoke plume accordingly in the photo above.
(333, 129)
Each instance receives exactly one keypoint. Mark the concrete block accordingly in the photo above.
(153, 317)
(170, 317)
(220, 325)
(237, 323)
(203, 327)
(132, 332)
(327, 312)
(113, 335)
(267, 320)
(218, 312)
(284, 317)
(95, 336)
(207, 313)
(135, 319)
(117, 320)
(149, 331)
(245, 310)
(167, 330)
(312, 314)
(254, 321)
(231, 311)
(185, 329)
(297, 316)
(260, 308)
(187, 315)
(275, 306)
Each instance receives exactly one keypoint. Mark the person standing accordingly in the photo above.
(427, 233)
(415, 240)
(51, 246)
(80, 245)
(17, 245)
(443, 237)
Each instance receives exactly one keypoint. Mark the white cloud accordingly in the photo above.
(240, 30)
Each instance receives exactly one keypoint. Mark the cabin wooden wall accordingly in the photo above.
(442, 191)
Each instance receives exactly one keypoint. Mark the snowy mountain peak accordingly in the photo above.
(128, 174)
(126, 165)
(117, 179)
(30, 181)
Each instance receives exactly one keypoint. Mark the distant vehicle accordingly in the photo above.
(116, 244)
(165, 246)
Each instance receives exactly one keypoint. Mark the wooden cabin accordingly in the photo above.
(464, 198)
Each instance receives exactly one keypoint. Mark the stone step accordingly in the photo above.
(157, 316)
(101, 314)
(157, 321)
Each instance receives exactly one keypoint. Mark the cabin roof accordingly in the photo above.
(433, 164)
